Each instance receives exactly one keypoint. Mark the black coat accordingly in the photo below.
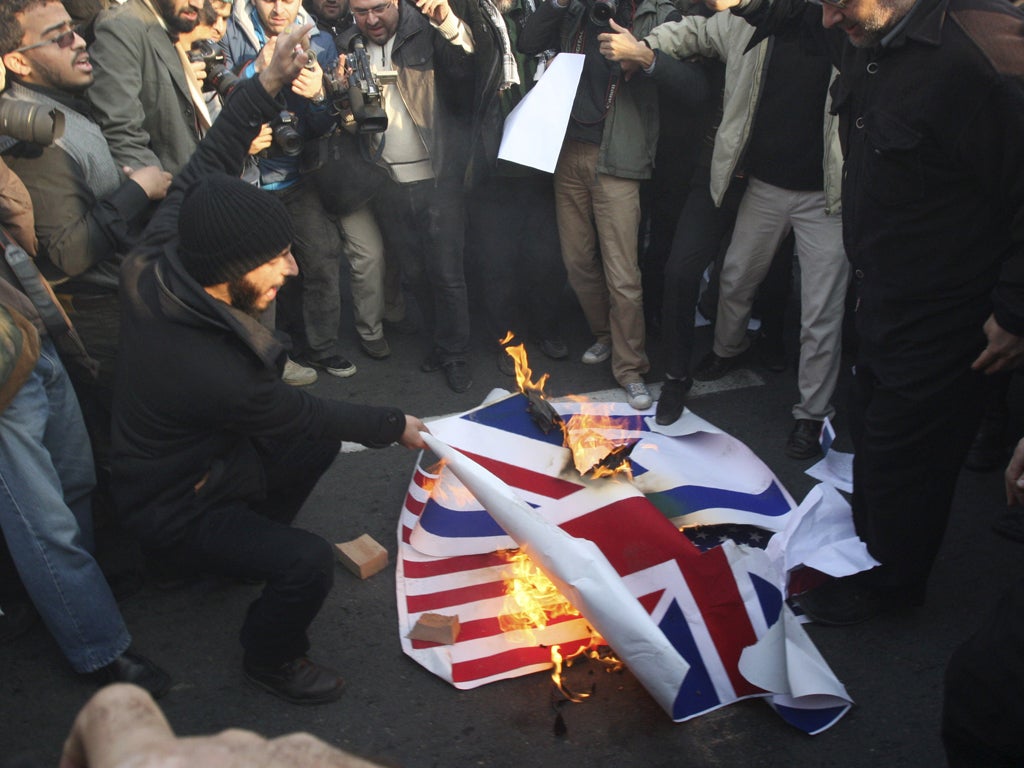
(199, 381)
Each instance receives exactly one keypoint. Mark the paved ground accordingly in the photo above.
(397, 713)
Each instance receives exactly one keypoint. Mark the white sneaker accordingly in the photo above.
(598, 353)
(638, 396)
(297, 375)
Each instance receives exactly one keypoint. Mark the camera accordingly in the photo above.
(218, 77)
(364, 89)
(287, 139)
(602, 11)
(29, 122)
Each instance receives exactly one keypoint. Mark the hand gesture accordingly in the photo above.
(310, 82)
(411, 437)
(153, 179)
(435, 10)
(287, 62)
(1004, 351)
(199, 69)
(263, 140)
(620, 45)
(265, 55)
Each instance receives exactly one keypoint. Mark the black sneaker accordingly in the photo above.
(554, 348)
(456, 373)
(299, 681)
(672, 400)
(505, 362)
(336, 365)
(804, 441)
(131, 667)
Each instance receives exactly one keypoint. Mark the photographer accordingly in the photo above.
(431, 51)
(310, 309)
(608, 150)
(89, 211)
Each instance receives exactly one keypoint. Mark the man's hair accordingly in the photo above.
(11, 30)
(208, 15)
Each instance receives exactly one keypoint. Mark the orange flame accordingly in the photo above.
(524, 376)
(531, 599)
(556, 673)
(592, 437)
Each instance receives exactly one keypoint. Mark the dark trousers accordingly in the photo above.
(309, 306)
(696, 244)
(908, 454)
(984, 691)
(255, 540)
(423, 223)
(513, 239)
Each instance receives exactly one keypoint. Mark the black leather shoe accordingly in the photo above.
(299, 681)
(131, 667)
(671, 400)
(456, 373)
(431, 362)
(714, 367)
(840, 603)
(803, 442)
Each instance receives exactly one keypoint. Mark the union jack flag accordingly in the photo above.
(713, 607)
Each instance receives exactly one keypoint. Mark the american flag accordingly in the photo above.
(712, 606)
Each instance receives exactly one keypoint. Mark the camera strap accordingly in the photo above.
(614, 77)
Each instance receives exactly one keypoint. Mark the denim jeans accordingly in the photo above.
(46, 478)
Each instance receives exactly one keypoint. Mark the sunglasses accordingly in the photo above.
(63, 40)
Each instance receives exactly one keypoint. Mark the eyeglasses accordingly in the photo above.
(840, 4)
(377, 10)
(63, 40)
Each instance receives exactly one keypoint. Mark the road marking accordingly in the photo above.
(741, 378)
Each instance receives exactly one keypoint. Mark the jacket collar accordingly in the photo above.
(923, 24)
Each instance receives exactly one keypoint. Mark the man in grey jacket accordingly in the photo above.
(146, 97)
(89, 210)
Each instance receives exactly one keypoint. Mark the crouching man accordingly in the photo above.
(213, 455)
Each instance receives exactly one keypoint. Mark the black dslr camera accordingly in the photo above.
(32, 123)
(218, 77)
(287, 140)
(602, 11)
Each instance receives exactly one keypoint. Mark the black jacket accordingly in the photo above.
(198, 381)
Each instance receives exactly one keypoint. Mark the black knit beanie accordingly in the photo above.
(227, 228)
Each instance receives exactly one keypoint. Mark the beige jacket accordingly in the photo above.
(726, 36)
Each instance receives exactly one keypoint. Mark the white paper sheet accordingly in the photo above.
(534, 130)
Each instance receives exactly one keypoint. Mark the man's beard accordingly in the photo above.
(504, 6)
(174, 22)
(245, 297)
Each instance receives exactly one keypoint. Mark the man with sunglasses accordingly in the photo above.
(930, 100)
(89, 210)
(46, 467)
(146, 97)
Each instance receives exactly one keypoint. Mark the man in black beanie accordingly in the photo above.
(213, 454)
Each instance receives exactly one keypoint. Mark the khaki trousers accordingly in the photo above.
(594, 208)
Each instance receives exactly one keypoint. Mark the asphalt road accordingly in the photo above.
(397, 713)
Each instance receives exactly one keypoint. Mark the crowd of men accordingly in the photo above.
(219, 159)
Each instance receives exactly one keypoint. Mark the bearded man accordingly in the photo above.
(146, 96)
(213, 454)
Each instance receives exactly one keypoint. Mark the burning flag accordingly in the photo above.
(700, 630)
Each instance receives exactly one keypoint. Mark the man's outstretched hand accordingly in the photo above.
(287, 61)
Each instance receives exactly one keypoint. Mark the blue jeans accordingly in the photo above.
(46, 481)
